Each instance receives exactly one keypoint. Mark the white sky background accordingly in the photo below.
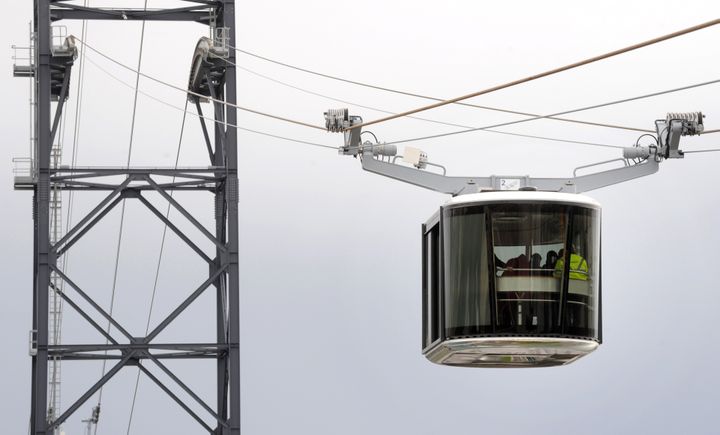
(330, 255)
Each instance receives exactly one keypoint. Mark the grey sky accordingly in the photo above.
(330, 255)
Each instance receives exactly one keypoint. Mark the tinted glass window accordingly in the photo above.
(581, 316)
(526, 240)
(467, 288)
(431, 286)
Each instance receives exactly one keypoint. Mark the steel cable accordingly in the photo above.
(545, 74)
(122, 210)
(406, 93)
(157, 269)
(426, 119)
(328, 146)
(195, 94)
(595, 106)
(152, 97)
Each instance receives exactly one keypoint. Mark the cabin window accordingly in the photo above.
(431, 285)
(466, 283)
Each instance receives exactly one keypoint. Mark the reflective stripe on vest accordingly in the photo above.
(578, 268)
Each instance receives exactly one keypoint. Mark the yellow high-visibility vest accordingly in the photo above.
(578, 267)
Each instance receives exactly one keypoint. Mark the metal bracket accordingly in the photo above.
(32, 343)
(669, 132)
(675, 125)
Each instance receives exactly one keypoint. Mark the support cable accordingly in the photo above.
(544, 74)
(595, 106)
(451, 124)
(195, 94)
(395, 91)
(157, 269)
(74, 152)
(122, 211)
(152, 97)
(321, 145)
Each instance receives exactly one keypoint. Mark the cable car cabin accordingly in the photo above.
(512, 279)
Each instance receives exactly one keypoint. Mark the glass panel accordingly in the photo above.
(467, 288)
(431, 287)
(434, 284)
(426, 270)
(583, 285)
(526, 241)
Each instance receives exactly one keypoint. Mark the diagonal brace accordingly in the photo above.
(206, 135)
(52, 425)
(93, 303)
(84, 314)
(175, 398)
(175, 229)
(91, 224)
(187, 389)
(95, 211)
(185, 213)
(61, 103)
(158, 329)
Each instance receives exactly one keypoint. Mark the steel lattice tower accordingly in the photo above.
(51, 71)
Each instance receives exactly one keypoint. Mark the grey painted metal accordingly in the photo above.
(175, 398)
(92, 390)
(206, 135)
(185, 213)
(175, 229)
(465, 185)
(61, 105)
(94, 304)
(98, 209)
(187, 389)
(197, 14)
(121, 183)
(668, 137)
(231, 200)
(84, 315)
(186, 303)
(42, 217)
(88, 227)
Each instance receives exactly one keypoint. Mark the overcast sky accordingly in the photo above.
(330, 255)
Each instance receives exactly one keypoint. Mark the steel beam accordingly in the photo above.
(231, 198)
(175, 229)
(94, 304)
(187, 389)
(137, 345)
(78, 403)
(84, 315)
(175, 398)
(201, 117)
(187, 215)
(87, 227)
(43, 260)
(196, 14)
(172, 316)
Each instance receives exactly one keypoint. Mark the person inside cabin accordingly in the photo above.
(578, 265)
(517, 266)
(535, 261)
(550, 260)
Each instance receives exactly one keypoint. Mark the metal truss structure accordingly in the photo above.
(51, 70)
